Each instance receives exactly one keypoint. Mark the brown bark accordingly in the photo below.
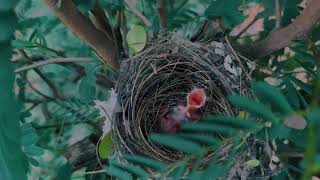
(85, 30)
(283, 37)
(162, 13)
(82, 154)
(100, 21)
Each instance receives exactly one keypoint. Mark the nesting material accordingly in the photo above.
(159, 79)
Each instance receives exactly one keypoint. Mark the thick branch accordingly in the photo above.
(100, 21)
(161, 6)
(283, 37)
(82, 154)
(85, 30)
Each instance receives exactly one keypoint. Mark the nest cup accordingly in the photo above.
(160, 78)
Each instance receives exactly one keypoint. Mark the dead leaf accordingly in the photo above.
(106, 109)
(295, 122)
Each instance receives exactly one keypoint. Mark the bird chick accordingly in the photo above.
(173, 120)
(195, 100)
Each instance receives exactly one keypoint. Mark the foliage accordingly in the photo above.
(231, 17)
(137, 38)
(57, 100)
(12, 163)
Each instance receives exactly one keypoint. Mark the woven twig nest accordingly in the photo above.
(159, 78)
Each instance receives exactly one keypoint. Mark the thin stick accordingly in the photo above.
(278, 14)
(51, 61)
(237, 57)
(138, 13)
(246, 28)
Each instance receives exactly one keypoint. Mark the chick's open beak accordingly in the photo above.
(196, 98)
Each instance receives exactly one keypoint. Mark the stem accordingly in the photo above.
(51, 61)
(278, 14)
(162, 13)
(310, 151)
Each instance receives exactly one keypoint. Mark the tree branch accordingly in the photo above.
(283, 37)
(100, 21)
(162, 13)
(278, 13)
(51, 61)
(55, 90)
(135, 11)
(85, 30)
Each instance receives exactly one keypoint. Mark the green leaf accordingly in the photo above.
(214, 171)
(278, 131)
(304, 86)
(313, 116)
(64, 172)
(304, 56)
(179, 171)
(253, 163)
(291, 93)
(8, 23)
(87, 90)
(118, 173)
(29, 139)
(7, 4)
(200, 138)
(13, 163)
(205, 127)
(137, 38)
(105, 147)
(84, 6)
(251, 106)
(228, 10)
(29, 135)
(177, 143)
(196, 175)
(290, 11)
(272, 95)
(268, 7)
(232, 121)
(33, 162)
(315, 34)
(136, 170)
(145, 161)
(33, 150)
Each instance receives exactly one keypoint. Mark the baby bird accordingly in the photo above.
(195, 100)
(172, 121)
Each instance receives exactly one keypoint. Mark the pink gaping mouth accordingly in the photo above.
(196, 98)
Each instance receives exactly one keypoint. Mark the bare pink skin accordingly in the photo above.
(196, 98)
(172, 121)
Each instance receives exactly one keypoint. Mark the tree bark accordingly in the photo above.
(85, 30)
(283, 37)
(162, 13)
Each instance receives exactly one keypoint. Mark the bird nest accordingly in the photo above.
(159, 79)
